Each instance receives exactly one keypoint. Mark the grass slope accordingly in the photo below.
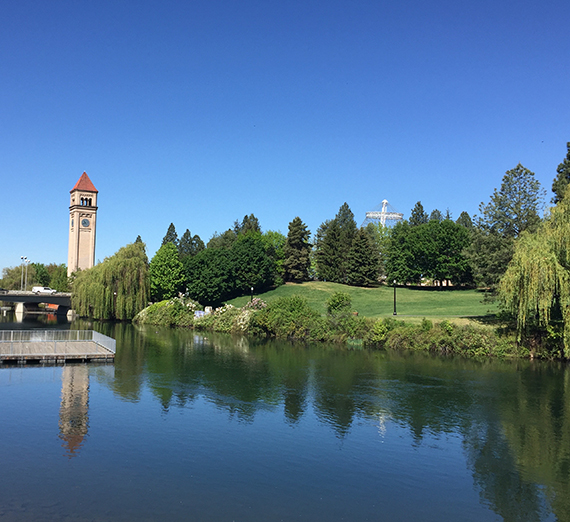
(412, 303)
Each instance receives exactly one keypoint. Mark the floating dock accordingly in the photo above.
(55, 346)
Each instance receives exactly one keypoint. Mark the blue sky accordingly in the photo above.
(198, 113)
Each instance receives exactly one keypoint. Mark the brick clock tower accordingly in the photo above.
(82, 223)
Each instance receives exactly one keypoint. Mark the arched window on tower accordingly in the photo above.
(89, 201)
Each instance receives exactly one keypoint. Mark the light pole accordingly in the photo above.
(395, 298)
(22, 278)
(26, 283)
(251, 295)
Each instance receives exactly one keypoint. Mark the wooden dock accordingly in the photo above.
(24, 347)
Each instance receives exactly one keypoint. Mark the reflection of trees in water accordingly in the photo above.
(535, 418)
(341, 384)
(514, 420)
(128, 377)
(497, 476)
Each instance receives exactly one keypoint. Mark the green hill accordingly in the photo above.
(413, 303)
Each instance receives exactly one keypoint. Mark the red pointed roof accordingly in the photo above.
(85, 184)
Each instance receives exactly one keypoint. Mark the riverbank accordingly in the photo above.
(292, 317)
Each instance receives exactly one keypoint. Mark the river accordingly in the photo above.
(185, 426)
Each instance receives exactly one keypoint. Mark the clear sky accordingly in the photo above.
(200, 112)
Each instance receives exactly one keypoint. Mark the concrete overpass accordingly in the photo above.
(28, 301)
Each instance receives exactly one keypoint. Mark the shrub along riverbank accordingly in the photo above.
(292, 317)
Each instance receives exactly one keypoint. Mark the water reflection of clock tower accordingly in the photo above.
(82, 223)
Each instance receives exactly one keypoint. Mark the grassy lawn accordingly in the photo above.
(412, 303)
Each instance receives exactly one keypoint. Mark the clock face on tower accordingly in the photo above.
(84, 222)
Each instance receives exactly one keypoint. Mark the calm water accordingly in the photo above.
(214, 428)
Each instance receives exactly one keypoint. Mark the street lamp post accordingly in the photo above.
(26, 282)
(251, 295)
(395, 298)
(23, 258)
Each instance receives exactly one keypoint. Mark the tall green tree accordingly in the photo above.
(274, 242)
(512, 209)
(436, 215)
(12, 277)
(449, 262)
(515, 207)
(362, 261)
(209, 277)
(118, 288)
(185, 245)
(380, 235)
(562, 178)
(197, 245)
(171, 236)
(189, 245)
(401, 259)
(224, 240)
(297, 252)
(58, 277)
(465, 221)
(42, 276)
(489, 255)
(328, 264)
(252, 266)
(165, 272)
(248, 224)
(334, 240)
(433, 250)
(418, 215)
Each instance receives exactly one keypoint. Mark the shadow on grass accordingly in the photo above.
(440, 288)
(488, 319)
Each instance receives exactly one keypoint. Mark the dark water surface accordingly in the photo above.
(215, 428)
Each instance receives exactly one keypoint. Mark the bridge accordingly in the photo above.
(28, 301)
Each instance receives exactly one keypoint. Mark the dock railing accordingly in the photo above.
(55, 336)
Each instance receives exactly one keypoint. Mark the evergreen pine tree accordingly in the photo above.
(250, 224)
(363, 262)
(171, 236)
(185, 245)
(197, 245)
(515, 207)
(297, 252)
(465, 220)
(418, 216)
(348, 229)
(327, 255)
(436, 215)
(138, 239)
(334, 240)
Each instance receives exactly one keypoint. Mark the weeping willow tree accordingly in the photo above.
(118, 288)
(536, 285)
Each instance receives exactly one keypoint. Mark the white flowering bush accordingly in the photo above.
(243, 320)
(255, 304)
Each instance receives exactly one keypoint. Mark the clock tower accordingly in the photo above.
(82, 223)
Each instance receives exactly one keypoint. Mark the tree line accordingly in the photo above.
(424, 249)
(428, 248)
